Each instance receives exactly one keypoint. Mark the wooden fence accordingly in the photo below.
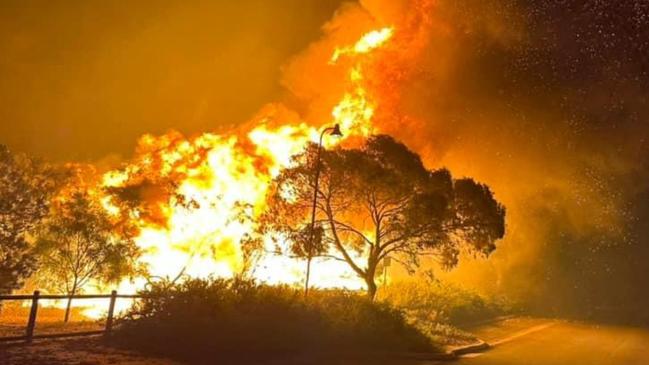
(33, 313)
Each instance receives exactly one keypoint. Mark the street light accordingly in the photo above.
(335, 131)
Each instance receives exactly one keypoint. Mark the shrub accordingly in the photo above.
(434, 301)
(201, 318)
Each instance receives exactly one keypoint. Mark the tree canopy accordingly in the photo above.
(81, 243)
(380, 201)
(26, 186)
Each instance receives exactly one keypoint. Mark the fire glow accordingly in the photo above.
(227, 174)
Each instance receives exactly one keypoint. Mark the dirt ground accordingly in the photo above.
(92, 351)
(72, 351)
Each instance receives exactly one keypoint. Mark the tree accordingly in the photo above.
(378, 201)
(25, 190)
(80, 243)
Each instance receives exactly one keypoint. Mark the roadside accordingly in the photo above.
(488, 334)
(496, 332)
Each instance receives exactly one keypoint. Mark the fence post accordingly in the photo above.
(32, 316)
(111, 310)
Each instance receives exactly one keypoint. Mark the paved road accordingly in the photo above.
(543, 342)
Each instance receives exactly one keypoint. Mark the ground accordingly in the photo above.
(13, 320)
(550, 342)
(517, 341)
(73, 351)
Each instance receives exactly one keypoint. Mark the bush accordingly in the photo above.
(201, 318)
(434, 301)
(444, 334)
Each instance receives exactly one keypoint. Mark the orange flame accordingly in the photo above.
(221, 174)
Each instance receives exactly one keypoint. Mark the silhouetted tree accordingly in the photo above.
(380, 200)
(80, 243)
(25, 189)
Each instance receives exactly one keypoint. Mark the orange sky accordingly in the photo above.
(82, 80)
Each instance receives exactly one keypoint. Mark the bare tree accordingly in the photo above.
(379, 201)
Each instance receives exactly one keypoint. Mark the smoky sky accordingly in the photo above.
(84, 79)
(544, 101)
(547, 102)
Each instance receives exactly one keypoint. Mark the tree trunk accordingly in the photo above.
(3, 292)
(67, 307)
(371, 287)
(67, 310)
(372, 263)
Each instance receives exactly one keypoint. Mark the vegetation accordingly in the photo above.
(380, 201)
(435, 301)
(437, 309)
(203, 317)
(375, 203)
(80, 243)
(50, 319)
(25, 188)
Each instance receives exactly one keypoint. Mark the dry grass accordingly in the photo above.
(438, 309)
(14, 316)
(442, 302)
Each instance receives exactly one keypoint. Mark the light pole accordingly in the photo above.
(335, 131)
(386, 263)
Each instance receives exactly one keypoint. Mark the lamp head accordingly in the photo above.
(336, 131)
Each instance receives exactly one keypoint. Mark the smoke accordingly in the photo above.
(81, 80)
(544, 102)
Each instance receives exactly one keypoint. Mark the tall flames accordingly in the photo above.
(226, 177)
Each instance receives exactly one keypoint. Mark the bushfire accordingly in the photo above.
(223, 180)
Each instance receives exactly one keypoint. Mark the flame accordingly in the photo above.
(225, 175)
(365, 44)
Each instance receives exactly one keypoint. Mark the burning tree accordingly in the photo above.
(379, 201)
(81, 243)
(25, 190)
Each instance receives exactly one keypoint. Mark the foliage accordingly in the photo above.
(217, 316)
(443, 333)
(432, 301)
(378, 201)
(143, 197)
(25, 189)
(80, 243)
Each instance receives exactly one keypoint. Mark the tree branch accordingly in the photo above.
(340, 247)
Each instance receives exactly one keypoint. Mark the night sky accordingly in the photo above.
(548, 102)
(597, 54)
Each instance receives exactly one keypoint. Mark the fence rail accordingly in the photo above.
(63, 296)
(33, 313)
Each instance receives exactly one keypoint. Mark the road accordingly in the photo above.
(546, 342)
